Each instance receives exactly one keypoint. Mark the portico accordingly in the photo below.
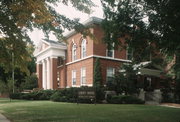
(46, 59)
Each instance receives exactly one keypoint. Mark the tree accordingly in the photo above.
(144, 23)
(125, 81)
(17, 17)
(7, 87)
(97, 80)
(30, 82)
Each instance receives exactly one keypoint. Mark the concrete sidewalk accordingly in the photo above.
(3, 118)
(173, 105)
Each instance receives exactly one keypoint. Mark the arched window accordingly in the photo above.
(74, 52)
(83, 48)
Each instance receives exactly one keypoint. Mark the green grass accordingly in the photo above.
(47, 111)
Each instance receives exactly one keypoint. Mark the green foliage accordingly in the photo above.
(166, 95)
(63, 95)
(124, 99)
(30, 82)
(46, 111)
(177, 91)
(6, 87)
(36, 95)
(125, 81)
(18, 17)
(58, 97)
(148, 27)
(20, 76)
(97, 81)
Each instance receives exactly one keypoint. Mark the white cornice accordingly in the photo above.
(87, 23)
(102, 57)
(110, 58)
(78, 60)
(49, 48)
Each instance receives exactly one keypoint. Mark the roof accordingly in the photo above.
(142, 64)
(87, 23)
(52, 42)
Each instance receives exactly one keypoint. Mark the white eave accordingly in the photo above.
(49, 48)
(54, 49)
(89, 22)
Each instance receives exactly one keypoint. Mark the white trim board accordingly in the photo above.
(102, 57)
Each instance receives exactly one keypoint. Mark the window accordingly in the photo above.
(110, 52)
(110, 74)
(59, 61)
(58, 79)
(83, 76)
(73, 77)
(129, 53)
(83, 48)
(74, 52)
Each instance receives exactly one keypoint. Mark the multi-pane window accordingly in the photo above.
(110, 52)
(129, 53)
(83, 76)
(73, 77)
(73, 52)
(110, 74)
(83, 48)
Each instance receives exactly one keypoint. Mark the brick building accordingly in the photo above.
(71, 64)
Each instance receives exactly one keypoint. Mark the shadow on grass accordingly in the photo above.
(8, 100)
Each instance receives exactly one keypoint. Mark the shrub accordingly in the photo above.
(71, 95)
(43, 94)
(167, 95)
(124, 99)
(27, 96)
(55, 97)
(30, 82)
(88, 100)
(37, 95)
(16, 95)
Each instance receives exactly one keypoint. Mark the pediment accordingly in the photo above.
(41, 46)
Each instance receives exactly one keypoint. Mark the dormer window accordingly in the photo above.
(74, 52)
(83, 48)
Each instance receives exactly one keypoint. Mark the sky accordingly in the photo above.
(71, 13)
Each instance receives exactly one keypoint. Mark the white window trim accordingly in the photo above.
(112, 52)
(107, 74)
(72, 75)
(83, 44)
(73, 54)
(85, 76)
(128, 53)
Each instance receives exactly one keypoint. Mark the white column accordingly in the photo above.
(48, 73)
(44, 74)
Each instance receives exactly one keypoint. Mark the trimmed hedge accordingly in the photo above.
(70, 95)
(37, 95)
(124, 99)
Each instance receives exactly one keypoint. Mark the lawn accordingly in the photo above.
(47, 111)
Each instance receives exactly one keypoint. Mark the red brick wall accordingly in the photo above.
(77, 40)
(93, 48)
(62, 76)
(99, 47)
(105, 64)
(53, 72)
(88, 64)
(39, 74)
